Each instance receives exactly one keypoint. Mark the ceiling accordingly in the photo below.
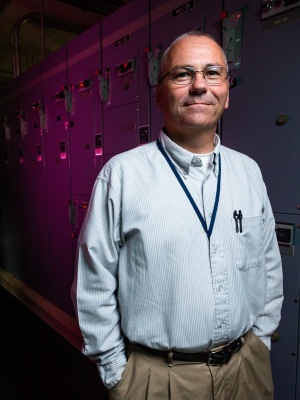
(39, 27)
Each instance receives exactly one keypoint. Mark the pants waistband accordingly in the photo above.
(217, 357)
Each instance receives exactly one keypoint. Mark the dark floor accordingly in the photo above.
(38, 364)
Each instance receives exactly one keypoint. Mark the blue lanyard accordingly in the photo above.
(202, 220)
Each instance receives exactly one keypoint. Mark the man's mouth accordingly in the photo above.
(196, 103)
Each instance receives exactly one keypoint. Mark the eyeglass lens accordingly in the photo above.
(212, 74)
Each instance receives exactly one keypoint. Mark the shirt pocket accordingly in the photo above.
(250, 243)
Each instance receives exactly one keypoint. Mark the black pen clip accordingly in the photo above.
(238, 216)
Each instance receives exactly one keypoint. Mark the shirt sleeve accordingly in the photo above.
(95, 284)
(269, 320)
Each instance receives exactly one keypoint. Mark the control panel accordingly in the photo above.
(271, 8)
(286, 238)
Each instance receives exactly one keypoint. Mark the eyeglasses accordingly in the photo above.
(213, 75)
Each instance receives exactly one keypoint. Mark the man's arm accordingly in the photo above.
(95, 285)
(267, 323)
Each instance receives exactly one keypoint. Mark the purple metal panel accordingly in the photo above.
(125, 42)
(121, 129)
(56, 92)
(157, 120)
(81, 204)
(17, 148)
(83, 64)
(37, 271)
(6, 234)
(126, 28)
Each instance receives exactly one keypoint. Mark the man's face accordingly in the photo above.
(196, 107)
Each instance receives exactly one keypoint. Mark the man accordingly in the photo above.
(179, 281)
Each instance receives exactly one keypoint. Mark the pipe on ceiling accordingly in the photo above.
(38, 19)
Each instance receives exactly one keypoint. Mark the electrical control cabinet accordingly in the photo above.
(125, 42)
(85, 118)
(58, 100)
(6, 233)
(32, 126)
(274, 8)
(263, 122)
(80, 204)
(285, 347)
(168, 20)
(267, 101)
(17, 157)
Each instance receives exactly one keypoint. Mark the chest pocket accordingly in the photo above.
(250, 243)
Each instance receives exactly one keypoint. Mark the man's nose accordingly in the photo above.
(198, 82)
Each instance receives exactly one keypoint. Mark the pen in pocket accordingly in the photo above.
(238, 216)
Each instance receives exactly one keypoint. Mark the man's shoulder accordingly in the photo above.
(236, 155)
(130, 159)
(240, 163)
(137, 152)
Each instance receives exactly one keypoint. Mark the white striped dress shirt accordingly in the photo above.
(147, 270)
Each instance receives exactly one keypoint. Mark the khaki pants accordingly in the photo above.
(247, 376)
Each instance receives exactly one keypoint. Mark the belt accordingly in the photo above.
(218, 357)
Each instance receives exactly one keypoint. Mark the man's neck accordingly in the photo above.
(200, 143)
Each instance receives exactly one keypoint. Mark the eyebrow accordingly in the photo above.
(192, 66)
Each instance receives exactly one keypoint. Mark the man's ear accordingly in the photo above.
(227, 101)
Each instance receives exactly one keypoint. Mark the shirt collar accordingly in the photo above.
(184, 159)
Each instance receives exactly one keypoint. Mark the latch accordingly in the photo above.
(104, 85)
(153, 65)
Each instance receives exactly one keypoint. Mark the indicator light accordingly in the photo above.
(20, 115)
(84, 85)
(125, 67)
(58, 96)
(84, 205)
(35, 106)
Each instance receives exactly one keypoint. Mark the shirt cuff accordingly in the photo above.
(111, 373)
(265, 339)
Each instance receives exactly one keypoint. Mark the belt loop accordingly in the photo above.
(170, 359)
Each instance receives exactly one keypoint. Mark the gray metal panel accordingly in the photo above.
(284, 352)
(267, 87)
(170, 19)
